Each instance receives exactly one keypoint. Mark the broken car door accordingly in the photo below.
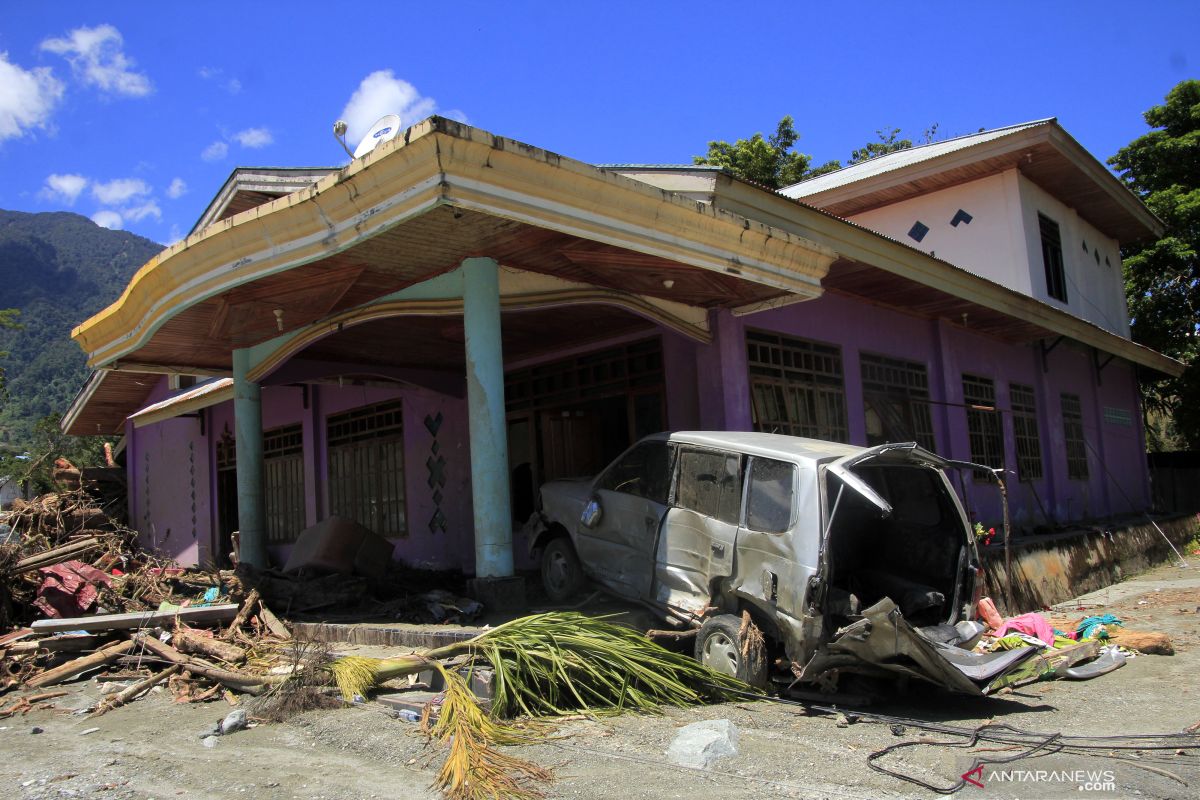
(697, 540)
(780, 509)
(631, 496)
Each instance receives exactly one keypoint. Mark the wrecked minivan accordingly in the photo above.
(847, 559)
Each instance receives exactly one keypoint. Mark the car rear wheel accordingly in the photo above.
(718, 647)
(562, 574)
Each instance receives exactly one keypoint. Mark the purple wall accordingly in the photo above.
(283, 405)
(173, 474)
(948, 350)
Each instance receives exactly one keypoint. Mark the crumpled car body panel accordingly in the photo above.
(883, 642)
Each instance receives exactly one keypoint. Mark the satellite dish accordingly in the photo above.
(384, 129)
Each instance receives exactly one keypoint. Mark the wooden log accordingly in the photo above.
(234, 680)
(72, 668)
(188, 641)
(125, 622)
(54, 644)
(248, 604)
(67, 552)
(675, 636)
(129, 693)
(274, 625)
(1150, 642)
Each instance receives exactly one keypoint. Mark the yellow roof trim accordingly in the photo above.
(441, 162)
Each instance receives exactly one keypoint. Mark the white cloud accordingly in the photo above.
(97, 57)
(138, 213)
(108, 219)
(119, 190)
(27, 97)
(177, 189)
(456, 115)
(382, 93)
(66, 188)
(254, 137)
(233, 85)
(215, 151)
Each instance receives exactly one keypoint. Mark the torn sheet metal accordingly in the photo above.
(884, 641)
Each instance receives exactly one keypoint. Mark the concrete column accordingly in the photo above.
(735, 372)
(485, 405)
(247, 418)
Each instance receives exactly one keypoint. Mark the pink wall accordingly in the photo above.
(168, 468)
(283, 405)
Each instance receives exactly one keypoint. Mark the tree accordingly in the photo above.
(8, 320)
(770, 162)
(889, 142)
(1162, 278)
(773, 163)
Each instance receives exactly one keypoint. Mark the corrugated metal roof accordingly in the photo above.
(697, 167)
(901, 159)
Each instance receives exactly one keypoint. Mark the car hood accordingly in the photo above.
(568, 489)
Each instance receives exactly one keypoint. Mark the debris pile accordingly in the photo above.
(1071, 649)
(85, 599)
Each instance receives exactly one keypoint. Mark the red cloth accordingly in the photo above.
(1033, 624)
(69, 589)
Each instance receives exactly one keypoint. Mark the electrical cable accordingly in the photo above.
(1052, 744)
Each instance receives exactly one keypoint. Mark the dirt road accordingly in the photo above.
(153, 749)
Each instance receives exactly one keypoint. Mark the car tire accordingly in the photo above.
(562, 574)
(718, 647)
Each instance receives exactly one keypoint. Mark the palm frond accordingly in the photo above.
(474, 769)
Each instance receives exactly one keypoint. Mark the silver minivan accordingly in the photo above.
(847, 559)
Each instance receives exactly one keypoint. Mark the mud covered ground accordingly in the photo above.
(153, 749)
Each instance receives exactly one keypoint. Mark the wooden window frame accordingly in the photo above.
(797, 386)
(283, 483)
(360, 441)
(984, 432)
(903, 382)
(1052, 258)
(1073, 436)
(1023, 401)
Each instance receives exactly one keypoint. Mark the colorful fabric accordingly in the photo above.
(1094, 627)
(1032, 623)
(1014, 641)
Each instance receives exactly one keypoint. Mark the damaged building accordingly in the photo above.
(419, 340)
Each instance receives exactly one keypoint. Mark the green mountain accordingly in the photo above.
(58, 269)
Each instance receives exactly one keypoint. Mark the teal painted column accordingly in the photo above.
(247, 417)
(485, 405)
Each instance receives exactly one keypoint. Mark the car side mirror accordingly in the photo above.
(592, 513)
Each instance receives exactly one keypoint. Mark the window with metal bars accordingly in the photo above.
(283, 482)
(610, 372)
(1052, 258)
(896, 401)
(1025, 431)
(1072, 416)
(796, 387)
(983, 422)
(366, 467)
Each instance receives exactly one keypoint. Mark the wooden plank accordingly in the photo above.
(73, 668)
(125, 622)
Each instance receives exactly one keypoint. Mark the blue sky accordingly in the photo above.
(134, 113)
